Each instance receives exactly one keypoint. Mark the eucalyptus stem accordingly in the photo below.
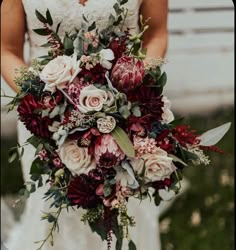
(53, 228)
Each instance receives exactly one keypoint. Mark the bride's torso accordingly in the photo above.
(70, 13)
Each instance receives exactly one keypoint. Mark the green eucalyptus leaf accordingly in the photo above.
(68, 43)
(123, 141)
(176, 159)
(124, 111)
(12, 155)
(42, 31)
(34, 140)
(32, 188)
(136, 111)
(132, 245)
(162, 80)
(92, 26)
(118, 21)
(49, 18)
(40, 17)
(122, 2)
(45, 45)
(117, 8)
(58, 27)
(107, 189)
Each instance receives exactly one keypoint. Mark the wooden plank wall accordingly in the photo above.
(200, 55)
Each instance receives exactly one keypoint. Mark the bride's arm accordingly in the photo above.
(155, 38)
(13, 29)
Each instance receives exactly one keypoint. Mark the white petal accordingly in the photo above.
(166, 195)
(107, 54)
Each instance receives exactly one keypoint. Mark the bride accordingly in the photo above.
(18, 17)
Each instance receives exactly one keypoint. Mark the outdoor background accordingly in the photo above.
(200, 70)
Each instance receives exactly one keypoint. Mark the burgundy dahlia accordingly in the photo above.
(127, 74)
(32, 120)
(149, 100)
(107, 152)
(94, 75)
(82, 192)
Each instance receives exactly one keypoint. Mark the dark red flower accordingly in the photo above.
(138, 125)
(82, 192)
(164, 141)
(94, 75)
(162, 184)
(127, 74)
(49, 100)
(185, 136)
(118, 46)
(33, 121)
(150, 102)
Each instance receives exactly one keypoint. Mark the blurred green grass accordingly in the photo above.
(200, 219)
(203, 217)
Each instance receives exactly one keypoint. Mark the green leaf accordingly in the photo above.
(12, 155)
(117, 8)
(85, 19)
(157, 199)
(162, 80)
(99, 228)
(119, 244)
(117, 22)
(176, 159)
(40, 182)
(123, 2)
(92, 26)
(186, 155)
(32, 188)
(123, 141)
(40, 17)
(51, 218)
(176, 121)
(136, 111)
(42, 32)
(45, 45)
(49, 18)
(132, 245)
(68, 43)
(58, 27)
(34, 140)
(107, 189)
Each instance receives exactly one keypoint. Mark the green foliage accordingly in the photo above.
(123, 141)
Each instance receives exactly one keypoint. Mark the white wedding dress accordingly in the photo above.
(73, 234)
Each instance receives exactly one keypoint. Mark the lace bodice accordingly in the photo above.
(70, 12)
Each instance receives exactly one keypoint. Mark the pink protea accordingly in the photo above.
(107, 152)
(127, 73)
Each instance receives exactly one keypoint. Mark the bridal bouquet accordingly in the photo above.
(102, 129)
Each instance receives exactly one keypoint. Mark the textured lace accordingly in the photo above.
(70, 12)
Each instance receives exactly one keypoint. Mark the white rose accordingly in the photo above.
(76, 158)
(158, 166)
(92, 99)
(167, 115)
(59, 71)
